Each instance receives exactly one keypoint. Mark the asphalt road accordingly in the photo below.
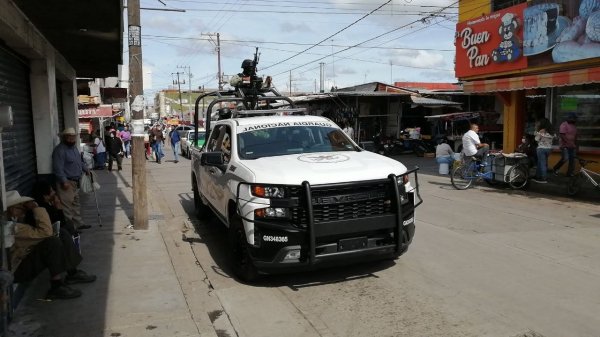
(484, 262)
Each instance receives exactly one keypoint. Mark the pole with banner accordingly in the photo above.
(136, 97)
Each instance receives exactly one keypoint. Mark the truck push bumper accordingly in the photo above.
(343, 252)
(325, 232)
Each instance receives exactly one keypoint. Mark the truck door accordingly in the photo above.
(213, 184)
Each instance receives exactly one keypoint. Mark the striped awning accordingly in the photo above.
(559, 79)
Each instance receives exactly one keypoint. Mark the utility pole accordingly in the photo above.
(322, 84)
(189, 73)
(179, 88)
(218, 45)
(290, 83)
(136, 98)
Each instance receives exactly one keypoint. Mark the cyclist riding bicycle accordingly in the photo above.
(472, 146)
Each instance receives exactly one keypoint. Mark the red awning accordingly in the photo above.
(560, 79)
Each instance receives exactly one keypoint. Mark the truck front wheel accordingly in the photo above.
(241, 263)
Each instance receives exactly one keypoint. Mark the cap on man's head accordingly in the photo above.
(572, 115)
(14, 198)
(69, 132)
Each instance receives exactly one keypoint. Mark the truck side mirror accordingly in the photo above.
(215, 159)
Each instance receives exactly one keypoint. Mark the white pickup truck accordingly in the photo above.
(296, 193)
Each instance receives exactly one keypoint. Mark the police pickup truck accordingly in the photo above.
(296, 193)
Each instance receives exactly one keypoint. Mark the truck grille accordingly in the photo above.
(356, 201)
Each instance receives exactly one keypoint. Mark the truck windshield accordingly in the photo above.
(281, 141)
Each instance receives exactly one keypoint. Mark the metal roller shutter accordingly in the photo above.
(18, 143)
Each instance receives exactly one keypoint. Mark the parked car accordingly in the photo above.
(187, 141)
(182, 130)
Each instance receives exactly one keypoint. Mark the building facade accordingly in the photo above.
(540, 58)
(44, 47)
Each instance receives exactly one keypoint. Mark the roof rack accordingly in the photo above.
(250, 103)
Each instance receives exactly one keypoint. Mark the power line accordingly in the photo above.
(151, 37)
(363, 42)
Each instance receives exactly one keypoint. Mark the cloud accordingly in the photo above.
(417, 58)
(290, 28)
(163, 24)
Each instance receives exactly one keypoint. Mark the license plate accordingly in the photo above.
(352, 244)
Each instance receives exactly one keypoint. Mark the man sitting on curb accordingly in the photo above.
(36, 248)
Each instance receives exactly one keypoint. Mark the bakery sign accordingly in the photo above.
(491, 43)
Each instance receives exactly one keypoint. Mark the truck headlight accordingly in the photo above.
(271, 212)
(268, 191)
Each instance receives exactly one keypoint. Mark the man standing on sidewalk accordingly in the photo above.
(567, 144)
(68, 166)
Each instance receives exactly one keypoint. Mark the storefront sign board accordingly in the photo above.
(491, 43)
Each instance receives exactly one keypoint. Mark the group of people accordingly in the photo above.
(154, 140)
(538, 151)
(47, 226)
(114, 145)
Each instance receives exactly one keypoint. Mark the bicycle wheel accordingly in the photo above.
(517, 176)
(574, 184)
(462, 177)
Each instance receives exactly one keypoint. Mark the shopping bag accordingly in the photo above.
(85, 184)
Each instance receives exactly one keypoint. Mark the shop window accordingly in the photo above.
(584, 100)
(502, 4)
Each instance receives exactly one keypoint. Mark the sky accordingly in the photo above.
(358, 41)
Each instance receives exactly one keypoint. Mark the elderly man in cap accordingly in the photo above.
(37, 247)
(567, 144)
(68, 166)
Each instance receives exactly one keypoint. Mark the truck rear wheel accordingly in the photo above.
(202, 211)
(241, 263)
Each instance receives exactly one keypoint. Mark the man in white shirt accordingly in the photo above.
(472, 146)
(348, 130)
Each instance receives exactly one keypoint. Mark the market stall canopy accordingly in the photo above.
(432, 102)
(559, 79)
(455, 116)
(89, 34)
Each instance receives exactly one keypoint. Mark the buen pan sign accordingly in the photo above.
(491, 43)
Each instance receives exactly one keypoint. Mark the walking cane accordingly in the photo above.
(96, 198)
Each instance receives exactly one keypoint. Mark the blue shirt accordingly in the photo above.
(175, 137)
(67, 163)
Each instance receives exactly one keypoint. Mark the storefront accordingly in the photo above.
(541, 58)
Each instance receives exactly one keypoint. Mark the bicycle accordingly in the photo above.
(578, 179)
(463, 176)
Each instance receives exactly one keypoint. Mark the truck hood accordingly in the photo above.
(323, 167)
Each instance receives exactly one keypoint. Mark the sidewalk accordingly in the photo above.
(556, 186)
(137, 292)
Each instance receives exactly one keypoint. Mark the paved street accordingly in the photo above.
(484, 262)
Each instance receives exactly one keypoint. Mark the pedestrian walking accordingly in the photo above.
(175, 144)
(115, 151)
(126, 138)
(99, 152)
(567, 144)
(158, 143)
(68, 166)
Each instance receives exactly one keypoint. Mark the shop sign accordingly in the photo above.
(491, 43)
(91, 112)
(562, 32)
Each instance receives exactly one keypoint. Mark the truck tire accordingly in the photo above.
(241, 263)
(203, 212)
